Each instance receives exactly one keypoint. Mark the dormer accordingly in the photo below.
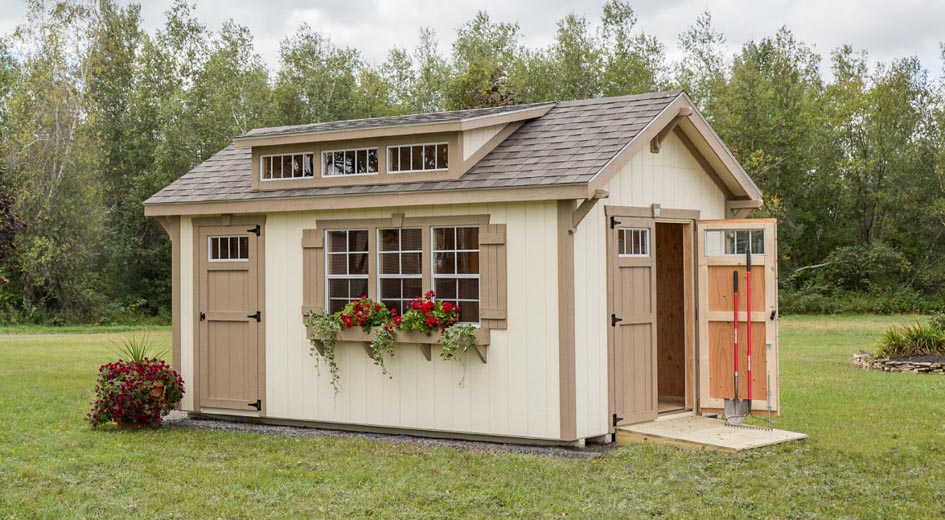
(399, 149)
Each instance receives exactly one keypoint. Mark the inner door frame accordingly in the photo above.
(659, 215)
(242, 223)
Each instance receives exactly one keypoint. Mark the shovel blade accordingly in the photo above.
(736, 410)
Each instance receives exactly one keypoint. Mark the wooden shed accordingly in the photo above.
(592, 244)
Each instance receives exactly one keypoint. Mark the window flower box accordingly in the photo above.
(357, 335)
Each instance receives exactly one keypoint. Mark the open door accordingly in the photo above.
(721, 250)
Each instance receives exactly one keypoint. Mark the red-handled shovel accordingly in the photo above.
(735, 408)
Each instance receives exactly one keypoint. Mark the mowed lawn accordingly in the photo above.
(876, 450)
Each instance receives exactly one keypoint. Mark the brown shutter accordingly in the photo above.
(313, 270)
(493, 307)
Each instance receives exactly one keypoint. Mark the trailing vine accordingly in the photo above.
(325, 328)
(456, 337)
(382, 343)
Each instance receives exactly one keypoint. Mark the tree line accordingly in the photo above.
(97, 114)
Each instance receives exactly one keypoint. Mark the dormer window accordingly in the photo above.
(360, 161)
(417, 158)
(288, 166)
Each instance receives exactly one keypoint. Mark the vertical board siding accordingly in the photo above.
(474, 139)
(514, 394)
(672, 178)
(187, 311)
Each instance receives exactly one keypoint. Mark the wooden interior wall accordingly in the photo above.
(670, 312)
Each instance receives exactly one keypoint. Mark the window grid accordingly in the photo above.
(409, 284)
(633, 242)
(354, 161)
(734, 242)
(343, 287)
(229, 248)
(460, 288)
(285, 166)
(430, 156)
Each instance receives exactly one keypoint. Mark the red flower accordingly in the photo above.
(431, 322)
(415, 304)
(447, 307)
(397, 320)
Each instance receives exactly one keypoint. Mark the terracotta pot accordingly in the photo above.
(158, 390)
(130, 425)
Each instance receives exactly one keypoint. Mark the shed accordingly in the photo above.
(592, 243)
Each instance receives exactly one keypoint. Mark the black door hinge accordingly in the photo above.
(257, 316)
(257, 405)
(614, 222)
(617, 420)
(774, 314)
(203, 316)
(614, 320)
(255, 230)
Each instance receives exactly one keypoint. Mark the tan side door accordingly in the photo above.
(720, 252)
(632, 275)
(229, 318)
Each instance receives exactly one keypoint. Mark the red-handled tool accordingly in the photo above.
(748, 321)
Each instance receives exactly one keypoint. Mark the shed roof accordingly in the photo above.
(568, 145)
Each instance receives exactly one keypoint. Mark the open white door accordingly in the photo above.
(721, 249)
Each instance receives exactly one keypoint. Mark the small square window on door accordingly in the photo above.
(633, 242)
(230, 248)
(722, 242)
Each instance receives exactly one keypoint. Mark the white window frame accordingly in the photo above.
(628, 242)
(400, 251)
(228, 237)
(735, 232)
(423, 146)
(270, 157)
(478, 277)
(367, 149)
(329, 277)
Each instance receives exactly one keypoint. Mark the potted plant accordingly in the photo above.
(135, 392)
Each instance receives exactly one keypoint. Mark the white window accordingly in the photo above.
(417, 158)
(288, 166)
(229, 248)
(399, 254)
(347, 262)
(456, 269)
(633, 242)
(720, 242)
(360, 161)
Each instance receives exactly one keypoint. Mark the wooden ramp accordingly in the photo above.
(690, 431)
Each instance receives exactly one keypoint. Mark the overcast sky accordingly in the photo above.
(887, 29)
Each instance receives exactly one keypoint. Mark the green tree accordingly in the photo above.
(484, 53)
(632, 63)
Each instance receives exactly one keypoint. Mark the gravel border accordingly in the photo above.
(177, 419)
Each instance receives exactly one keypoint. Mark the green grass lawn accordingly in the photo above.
(875, 450)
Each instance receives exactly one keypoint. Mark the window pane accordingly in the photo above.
(413, 288)
(232, 244)
(337, 241)
(468, 289)
(622, 242)
(467, 238)
(286, 167)
(212, 253)
(416, 157)
(389, 239)
(266, 167)
(404, 152)
(337, 263)
(410, 263)
(358, 240)
(361, 161)
(338, 289)
(442, 156)
(357, 263)
(467, 263)
(758, 242)
(393, 160)
(307, 165)
(445, 288)
(445, 263)
(336, 305)
(411, 239)
(244, 247)
(469, 312)
(358, 288)
(372, 160)
(390, 288)
(296, 166)
(444, 238)
(429, 157)
(390, 263)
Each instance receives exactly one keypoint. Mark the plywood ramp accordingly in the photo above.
(703, 433)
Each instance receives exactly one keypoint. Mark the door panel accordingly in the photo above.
(228, 332)
(721, 251)
(633, 303)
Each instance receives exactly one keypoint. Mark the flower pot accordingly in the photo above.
(157, 391)
(131, 425)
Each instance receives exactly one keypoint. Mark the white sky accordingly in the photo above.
(887, 29)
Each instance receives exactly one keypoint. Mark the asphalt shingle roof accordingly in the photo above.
(570, 144)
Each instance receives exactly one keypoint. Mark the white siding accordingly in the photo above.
(516, 393)
(474, 139)
(672, 178)
(187, 311)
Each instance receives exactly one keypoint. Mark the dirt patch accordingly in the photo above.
(178, 419)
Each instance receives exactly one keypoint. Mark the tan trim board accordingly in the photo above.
(379, 200)
(706, 167)
(577, 216)
(172, 226)
(398, 129)
(490, 145)
(657, 142)
(566, 341)
(638, 212)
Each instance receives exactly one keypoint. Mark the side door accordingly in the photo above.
(632, 275)
(229, 318)
(721, 251)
